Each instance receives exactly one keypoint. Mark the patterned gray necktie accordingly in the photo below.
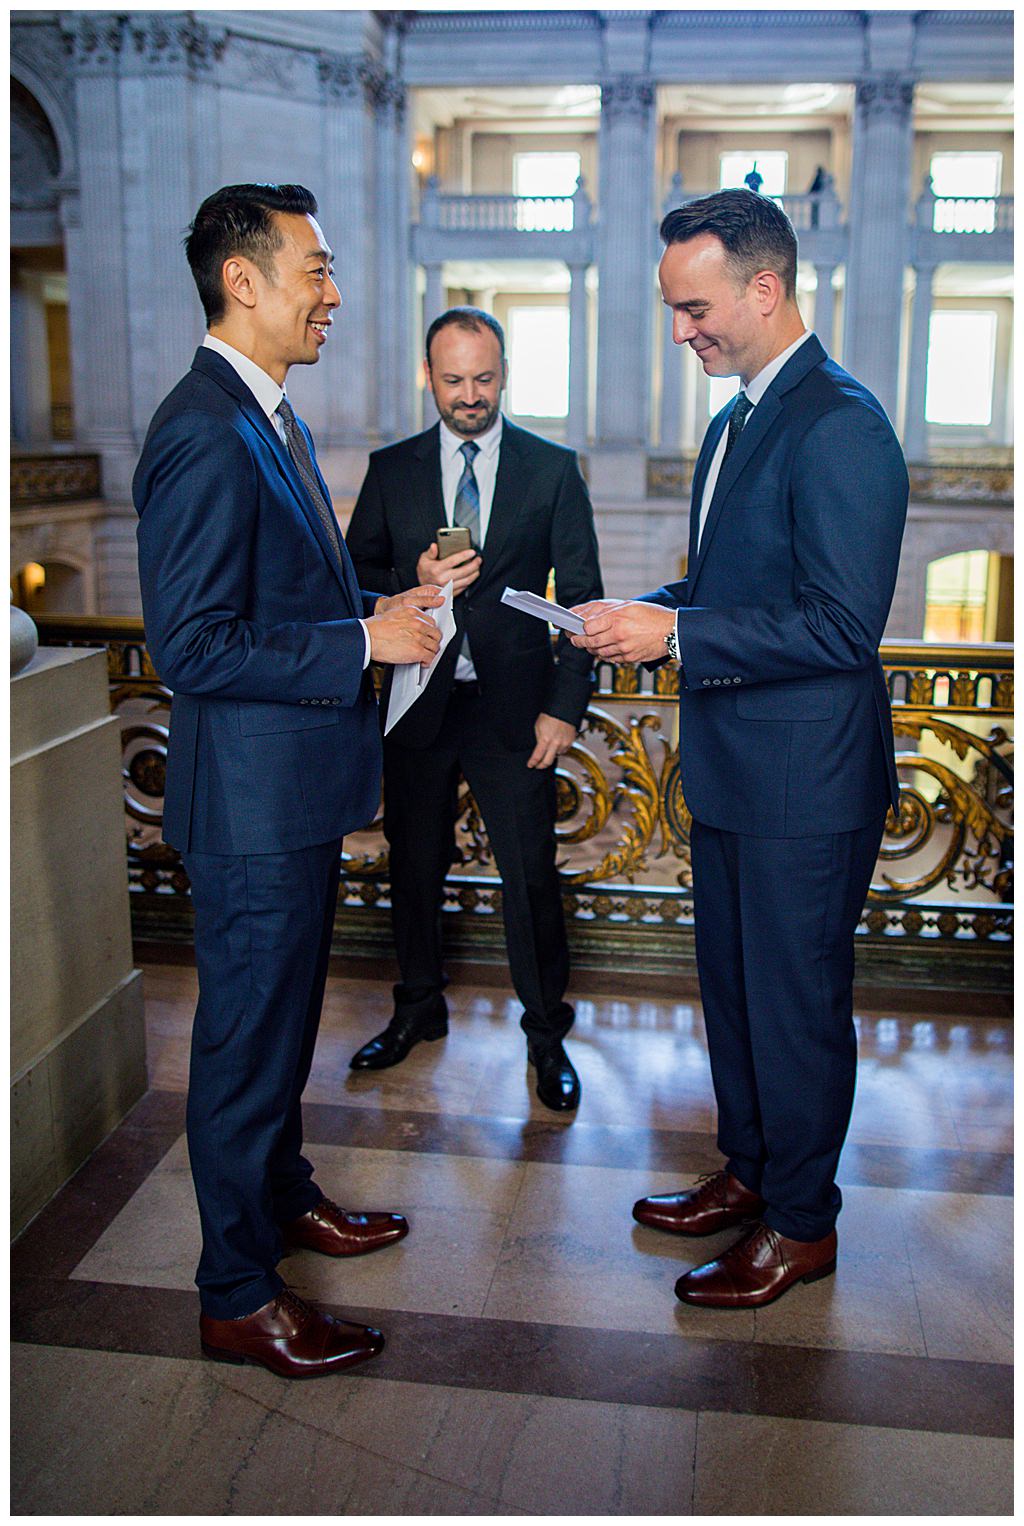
(737, 418)
(467, 510)
(300, 454)
(467, 494)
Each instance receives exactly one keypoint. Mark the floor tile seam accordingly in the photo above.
(506, 1230)
(272, 1410)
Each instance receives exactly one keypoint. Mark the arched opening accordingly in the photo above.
(41, 400)
(969, 598)
(49, 588)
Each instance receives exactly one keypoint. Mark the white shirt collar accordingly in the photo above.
(488, 442)
(263, 387)
(758, 385)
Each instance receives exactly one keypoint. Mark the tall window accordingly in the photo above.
(538, 362)
(961, 368)
(772, 166)
(962, 181)
(545, 174)
(956, 594)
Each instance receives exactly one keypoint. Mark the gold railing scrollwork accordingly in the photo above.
(623, 827)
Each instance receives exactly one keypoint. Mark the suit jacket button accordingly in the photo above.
(716, 681)
(705, 682)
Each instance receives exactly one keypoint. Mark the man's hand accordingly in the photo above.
(624, 632)
(553, 738)
(427, 597)
(400, 632)
(459, 569)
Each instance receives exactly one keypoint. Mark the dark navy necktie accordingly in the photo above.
(301, 456)
(737, 418)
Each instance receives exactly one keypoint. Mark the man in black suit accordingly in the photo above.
(501, 706)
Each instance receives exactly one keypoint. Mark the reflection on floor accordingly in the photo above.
(537, 1361)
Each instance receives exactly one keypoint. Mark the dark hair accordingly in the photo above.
(756, 234)
(239, 219)
(472, 318)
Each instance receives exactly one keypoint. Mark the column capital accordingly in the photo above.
(628, 95)
(174, 43)
(351, 77)
(886, 95)
(93, 41)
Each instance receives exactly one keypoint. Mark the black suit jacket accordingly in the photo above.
(541, 518)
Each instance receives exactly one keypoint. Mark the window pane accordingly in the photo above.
(538, 362)
(772, 166)
(961, 181)
(553, 175)
(956, 591)
(961, 368)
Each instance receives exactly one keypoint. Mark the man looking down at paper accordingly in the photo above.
(501, 705)
(785, 736)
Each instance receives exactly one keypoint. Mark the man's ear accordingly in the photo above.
(504, 375)
(768, 291)
(238, 276)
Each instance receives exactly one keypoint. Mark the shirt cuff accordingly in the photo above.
(366, 638)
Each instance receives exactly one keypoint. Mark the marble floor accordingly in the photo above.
(537, 1362)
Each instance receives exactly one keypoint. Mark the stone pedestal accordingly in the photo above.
(78, 1050)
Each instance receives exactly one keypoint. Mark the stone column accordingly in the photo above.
(30, 363)
(97, 256)
(626, 152)
(433, 307)
(349, 85)
(915, 429)
(162, 56)
(576, 433)
(879, 224)
(396, 375)
(825, 306)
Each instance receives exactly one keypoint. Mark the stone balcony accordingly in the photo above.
(504, 227)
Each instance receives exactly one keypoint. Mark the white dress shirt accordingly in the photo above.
(268, 394)
(485, 470)
(755, 390)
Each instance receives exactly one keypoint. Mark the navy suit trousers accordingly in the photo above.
(774, 921)
(262, 941)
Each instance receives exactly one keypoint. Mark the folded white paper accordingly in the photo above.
(411, 678)
(543, 609)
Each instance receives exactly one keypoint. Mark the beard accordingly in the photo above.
(468, 424)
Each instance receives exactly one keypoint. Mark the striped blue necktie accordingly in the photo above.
(467, 508)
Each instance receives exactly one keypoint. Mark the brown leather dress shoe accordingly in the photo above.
(757, 1270)
(718, 1201)
(333, 1232)
(290, 1338)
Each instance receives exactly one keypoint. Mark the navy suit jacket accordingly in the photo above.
(254, 625)
(785, 728)
(541, 518)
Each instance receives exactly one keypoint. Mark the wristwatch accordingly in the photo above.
(672, 644)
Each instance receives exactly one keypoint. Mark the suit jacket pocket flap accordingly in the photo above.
(256, 719)
(772, 702)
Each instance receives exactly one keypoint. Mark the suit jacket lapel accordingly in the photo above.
(215, 366)
(427, 495)
(508, 493)
(700, 477)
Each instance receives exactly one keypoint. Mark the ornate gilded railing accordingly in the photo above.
(944, 875)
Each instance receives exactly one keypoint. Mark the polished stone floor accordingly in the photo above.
(537, 1361)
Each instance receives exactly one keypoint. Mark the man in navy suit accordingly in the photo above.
(785, 736)
(255, 619)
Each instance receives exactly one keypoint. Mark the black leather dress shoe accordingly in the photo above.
(408, 1026)
(558, 1085)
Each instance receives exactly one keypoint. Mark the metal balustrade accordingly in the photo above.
(939, 911)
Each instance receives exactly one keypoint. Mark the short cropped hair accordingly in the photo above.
(239, 219)
(756, 234)
(472, 318)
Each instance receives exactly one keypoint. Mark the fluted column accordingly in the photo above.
(879, 234)
(825, 306)
(626, 150)
(395, 372)
(349, 217)
(578, 356)
(915, 428)
(30, 364)
(97, 271)
(162, 56)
